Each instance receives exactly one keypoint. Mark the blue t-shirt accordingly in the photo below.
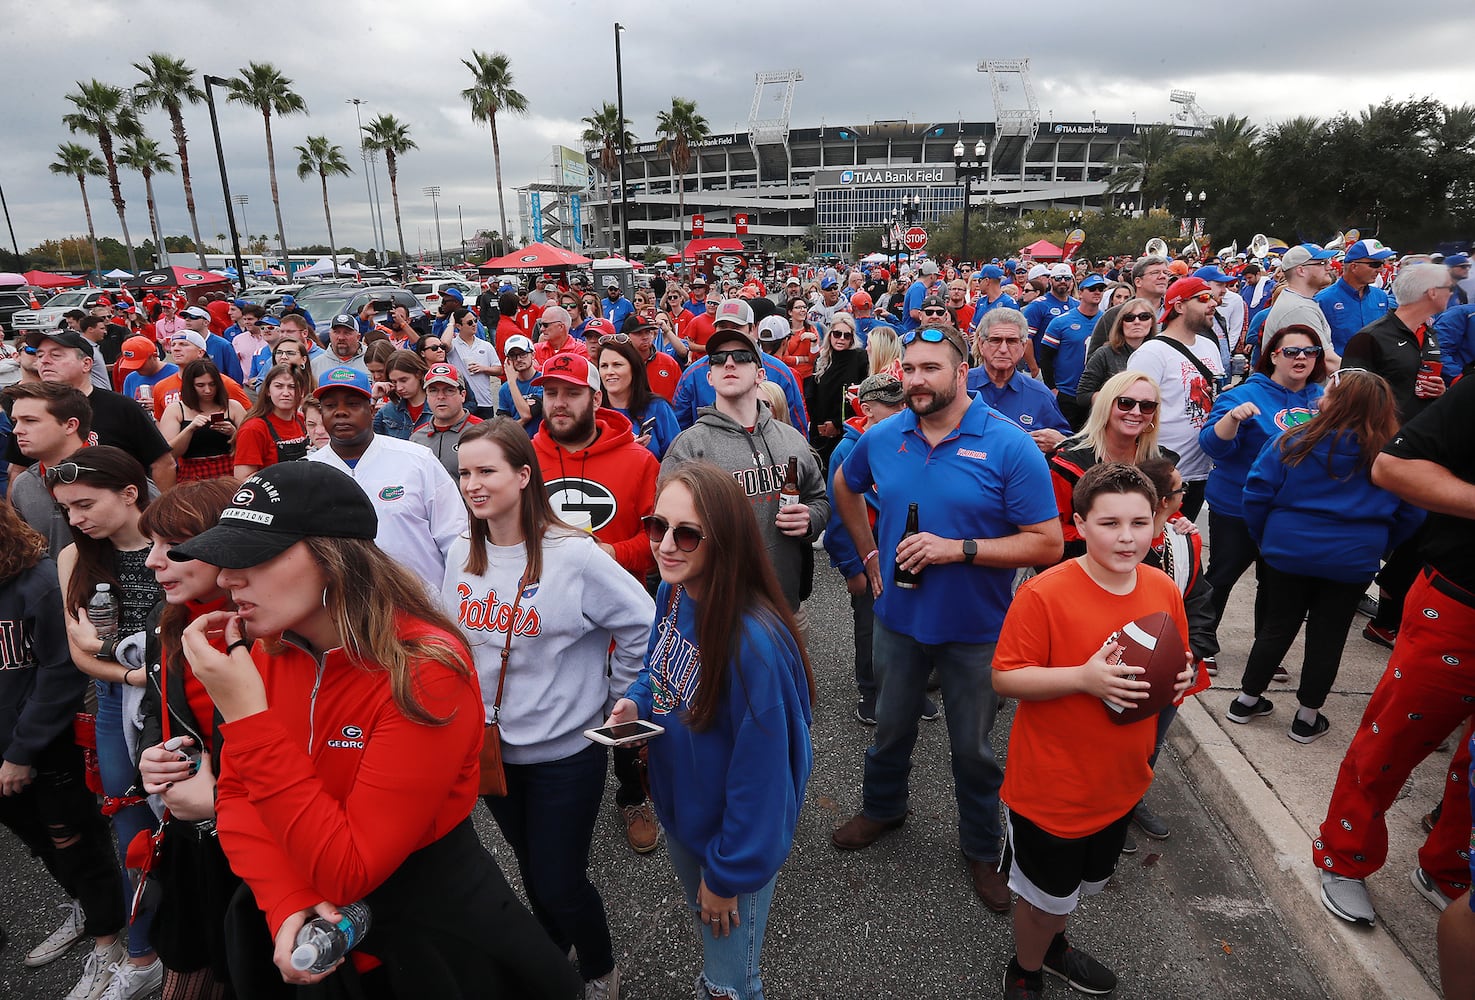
(982, 481)
(617, 310)
(529, 392)
(1023, 400)
(1067, 335)
(136, 380)
(983, 306)
(1042, 310)
(916, 292)
(865, 324)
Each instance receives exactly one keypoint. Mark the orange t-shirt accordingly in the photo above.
(167, 391)
(1071, 770)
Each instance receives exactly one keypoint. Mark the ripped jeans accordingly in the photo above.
(729, 964)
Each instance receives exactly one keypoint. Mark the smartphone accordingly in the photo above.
(217, 418)
(647, 425)
(625, 732)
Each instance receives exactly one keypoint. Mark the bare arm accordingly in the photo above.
(1425, 484)
(81, 636)
(852, 508)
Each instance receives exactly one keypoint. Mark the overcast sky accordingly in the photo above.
(405, 59)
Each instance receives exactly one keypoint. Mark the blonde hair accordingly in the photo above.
(778, 403)
(1094, 431)
(884, 347)
(826, 351)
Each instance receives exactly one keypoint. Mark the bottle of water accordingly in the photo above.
(102, 611)
(320, 943)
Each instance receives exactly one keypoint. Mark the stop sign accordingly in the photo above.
(916, 239)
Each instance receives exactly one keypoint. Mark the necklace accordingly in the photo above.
(664, 697)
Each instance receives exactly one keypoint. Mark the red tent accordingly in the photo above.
(536, 257)
(45, 279)
(1044, 250)
(714, 244)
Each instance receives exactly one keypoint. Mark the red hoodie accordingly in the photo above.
(323, 795)
(614, 479)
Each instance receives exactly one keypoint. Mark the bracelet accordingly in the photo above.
(241, 643)
(871, 555)
(129, 671)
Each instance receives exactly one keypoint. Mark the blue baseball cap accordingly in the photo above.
(1011, 265)
(1303, 253)
(452, 293)
(343, 377)
(1211, 272)
(991, 271)
(1453, 260)
(287, 300)
(826, 283)
(1093, 281)
(1373, 250)
(505, 287)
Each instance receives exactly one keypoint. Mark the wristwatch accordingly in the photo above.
(108, 650)
(970, 550)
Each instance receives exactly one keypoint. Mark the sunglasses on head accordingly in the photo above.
(686, 537)
(1292, 353)
(927, 334)
(1136, 317)
(614, 338)
(66, 472)
(739, 356)
(1127, 404)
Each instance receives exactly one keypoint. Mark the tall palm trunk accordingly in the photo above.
(160, 253)
(497, 161)
(105, 142)
(276, 200)
(332, 244)
(391, 162)
(91, 232)
(176, 119)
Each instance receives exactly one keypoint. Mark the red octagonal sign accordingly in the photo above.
(916, 238)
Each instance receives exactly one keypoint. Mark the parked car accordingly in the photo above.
(12, 301)
(327, 301)
(55, 307)
(429, 292)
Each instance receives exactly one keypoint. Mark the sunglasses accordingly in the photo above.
(686, 537)
(737, 357)
(934, 312)
(1127, 404)
(66, 472)
(1292, 353)
(1200, 297)
(928, 334)
(1335, 378)
(1136, 317)
(435, 347)
(614, 338)
(845, 334)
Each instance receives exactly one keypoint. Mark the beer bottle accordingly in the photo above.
(904, 578)
(788, 494)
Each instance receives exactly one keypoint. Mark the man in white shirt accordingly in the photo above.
(420, 508)
(476, 359)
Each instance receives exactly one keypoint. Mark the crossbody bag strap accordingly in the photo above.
(1198, 362)
(507, 651)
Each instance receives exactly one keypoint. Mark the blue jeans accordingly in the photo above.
(901, 666)
(118, 772)
(729, 964)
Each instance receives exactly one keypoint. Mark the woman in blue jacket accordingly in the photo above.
(1322, 527)
(1283, 392)
(728, 678)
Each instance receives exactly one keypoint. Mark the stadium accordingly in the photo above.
(842, 177)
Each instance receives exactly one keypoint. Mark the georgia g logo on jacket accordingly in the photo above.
(353, 739)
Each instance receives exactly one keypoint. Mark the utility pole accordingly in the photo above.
(230, 213)
(461, 224)
(368, 191)
(620, 110)
(433, 193)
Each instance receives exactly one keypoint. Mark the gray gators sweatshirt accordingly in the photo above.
(758, 461)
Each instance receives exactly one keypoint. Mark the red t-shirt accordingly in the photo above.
(255, 445)
(507, 327)
(697, 331)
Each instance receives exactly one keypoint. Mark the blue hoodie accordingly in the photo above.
(1280, 410)
(843, 554)
(1331, 524)
(730, 794)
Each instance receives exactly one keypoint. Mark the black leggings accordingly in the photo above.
(1327, 606)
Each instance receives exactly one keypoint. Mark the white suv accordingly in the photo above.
(50, 314)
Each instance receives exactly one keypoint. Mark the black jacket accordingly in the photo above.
(40, 689)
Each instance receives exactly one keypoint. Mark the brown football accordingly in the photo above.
(1154, 643)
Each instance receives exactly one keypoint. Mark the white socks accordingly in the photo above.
(1307, 715)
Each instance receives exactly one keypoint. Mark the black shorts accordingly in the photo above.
(1053, 873)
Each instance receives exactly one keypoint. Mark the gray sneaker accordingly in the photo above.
(1429, 889)
(1348, 899)
(606, 987)
(59, 940)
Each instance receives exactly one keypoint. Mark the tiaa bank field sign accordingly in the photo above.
(884, 176)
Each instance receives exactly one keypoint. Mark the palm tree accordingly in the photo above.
(143, 154)
(80, 162)
(167, 83)
(492, 92)
(263, 87)
(680, 128)
(604, 132)
(391, 137)
(102, 112)
(1136, 167)
(321, 157)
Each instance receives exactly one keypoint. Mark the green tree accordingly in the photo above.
(603, 129)
(77, 160)
(143, 154)
(1135, 168)
(491, 93)
(321, 157)
(391, 137)
(681, 129)
(168, 83)
(867, 240)
(103, 113)
(263, 87)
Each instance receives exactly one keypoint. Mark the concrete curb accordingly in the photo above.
(1351, 961)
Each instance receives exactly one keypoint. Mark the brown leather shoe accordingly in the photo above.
(641, 829)
(860, 831)
(990, 885)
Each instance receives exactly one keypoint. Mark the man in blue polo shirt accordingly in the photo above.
(999, 349)
(985, 508)
(1062, 348)
(1353, 301)
(1059, 301)
(990, 294)
(695, 391)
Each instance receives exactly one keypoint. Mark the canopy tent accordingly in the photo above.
(874, 258)
(118, 272)
(45, 279)
(176, 277)
(536, 257)
(346, 265)
(716, 244)
(1044, 250)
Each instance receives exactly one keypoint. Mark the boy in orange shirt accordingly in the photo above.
(1073, 776)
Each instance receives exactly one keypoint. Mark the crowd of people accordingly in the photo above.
(596, 511)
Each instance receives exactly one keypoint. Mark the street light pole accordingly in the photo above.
(433, 193)
(967, 170)
(230, 213)
(620, 111)
(368, 190)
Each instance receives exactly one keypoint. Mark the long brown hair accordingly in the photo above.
(1359, 406)
(1266, 364)
(24, 546)
(178, 515)
(371, 629)
(199, 368)
(640, 393)
(739, 582)
(105, 468)
(535, 514)
(1117, 338)
(263, 404)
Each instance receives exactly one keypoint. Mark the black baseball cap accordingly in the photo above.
(67, 338)
(278, 507)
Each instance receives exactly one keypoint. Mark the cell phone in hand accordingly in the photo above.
(624, 732)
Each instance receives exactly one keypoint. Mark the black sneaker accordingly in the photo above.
(1082, 972)
(1309, 732)
(1021, 985)
(1241, 713)
(1211, 666)
(1129, 846)
(865, 712)
(1281, 675)
(1367, 606)
(930, 711)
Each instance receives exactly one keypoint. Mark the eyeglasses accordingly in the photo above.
(1127, 404)
(1292, 353)
(737, 357)
(1136, 317)
(1173, 493)
(614, 338)
(686, 537)
(66, 472)
(998, 342)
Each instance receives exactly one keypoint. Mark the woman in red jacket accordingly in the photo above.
(352, 732)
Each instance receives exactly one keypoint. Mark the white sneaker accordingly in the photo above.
(57, 943)
(130, 981)
(97, 970)
(606, 987)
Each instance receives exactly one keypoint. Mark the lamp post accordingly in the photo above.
(1194, 213)
(620, 110)
(910, 209)
(230, 213)
(433, 193)
(967, 170)
(368, 189)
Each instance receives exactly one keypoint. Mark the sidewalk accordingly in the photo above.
(1272, 792)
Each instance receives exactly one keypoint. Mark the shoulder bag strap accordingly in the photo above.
(1198, 362)
(507, 651)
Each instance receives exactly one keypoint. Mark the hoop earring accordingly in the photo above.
(325, 597)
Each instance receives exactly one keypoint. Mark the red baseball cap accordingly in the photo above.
(1181, 291)
(574, 369)
(598, 327)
